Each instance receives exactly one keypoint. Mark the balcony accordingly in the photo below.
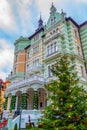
(30, 80)
(34, 68)
(51, 37)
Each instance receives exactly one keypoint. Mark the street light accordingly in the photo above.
(20, 111)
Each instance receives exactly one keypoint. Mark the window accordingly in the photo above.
(53, 20)
(48, 50)
(52, 48)
(15, 70)
(16, 47)
(50, 33)
(82, 71)
(16, 57)
(49, 71)
(54, 31)
(41, 104)
(55, 47)
(27, 66)
(36, 49)
(36, 37)
(78, 49)
(28, 54)
(36, 62)
(76, 33)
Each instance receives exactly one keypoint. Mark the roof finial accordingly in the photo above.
(40, 15)
(40, 22)
(62, 11)
(52, 9)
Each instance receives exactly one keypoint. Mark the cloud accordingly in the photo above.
(73, 8)
(44, 6)
(81, 1)
(3, 76)
(6, 57)
(22, 14)
(7, 21)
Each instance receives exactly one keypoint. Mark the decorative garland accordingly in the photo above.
(24, 101)
(13, 102)
(35, 101)
(5, 103)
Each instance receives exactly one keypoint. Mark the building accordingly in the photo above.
(34, 55)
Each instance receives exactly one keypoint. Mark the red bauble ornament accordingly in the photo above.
(60, 92)
(84, 122)
(76, 116)
(71, 128)
(64, 129)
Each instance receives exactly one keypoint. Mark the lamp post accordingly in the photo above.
(20, 118)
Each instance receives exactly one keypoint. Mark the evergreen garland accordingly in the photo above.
(5, 103)
(24, 101)
(13, 102)
(35, 101)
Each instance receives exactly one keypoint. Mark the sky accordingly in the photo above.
(20, 18)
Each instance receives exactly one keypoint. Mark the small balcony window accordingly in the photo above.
(51, 48)
(36, 49)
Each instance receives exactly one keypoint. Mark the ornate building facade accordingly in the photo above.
(33, 57)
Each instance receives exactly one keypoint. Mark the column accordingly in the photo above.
(9, 102)
(16, 102)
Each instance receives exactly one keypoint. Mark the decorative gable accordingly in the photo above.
(55, 16)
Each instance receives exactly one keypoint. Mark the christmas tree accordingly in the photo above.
(68, 100)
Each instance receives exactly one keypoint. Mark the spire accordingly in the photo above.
(63, 13)
(40, 22)
(52, 9)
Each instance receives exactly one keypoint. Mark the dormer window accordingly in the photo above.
(54, 31)
(36, 49)
(36, 37)
(53, 20)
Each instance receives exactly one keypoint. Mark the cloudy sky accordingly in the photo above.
(20, 17)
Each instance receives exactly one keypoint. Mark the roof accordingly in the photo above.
(37, 31)
(83, 24)
(27, 47)
(69, 18)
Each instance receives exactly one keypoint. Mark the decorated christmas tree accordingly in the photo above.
(68, 100)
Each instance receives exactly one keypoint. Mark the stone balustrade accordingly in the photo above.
(34, 78)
